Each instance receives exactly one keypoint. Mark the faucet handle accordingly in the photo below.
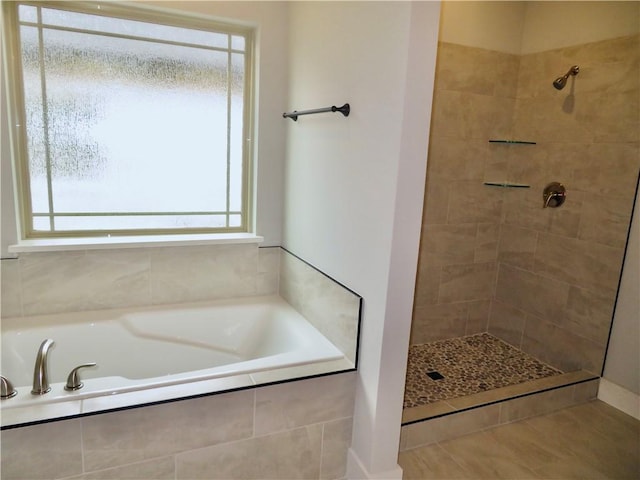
(73, 380)
(6, 389)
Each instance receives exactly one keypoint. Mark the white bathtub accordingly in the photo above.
(168, 348)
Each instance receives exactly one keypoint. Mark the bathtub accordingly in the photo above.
(145, 355)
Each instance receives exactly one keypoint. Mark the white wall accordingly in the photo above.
(492, 25)
(354, 186)
(8, 230)
(622, 366)
(528, 27)
(551, 25)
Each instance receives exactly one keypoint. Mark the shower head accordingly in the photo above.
(560, 82)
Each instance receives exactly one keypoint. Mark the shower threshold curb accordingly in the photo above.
(453, 406)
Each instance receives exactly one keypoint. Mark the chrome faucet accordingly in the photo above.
(40, 374)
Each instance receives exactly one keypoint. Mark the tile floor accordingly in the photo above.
(588, 441)
(469, 365)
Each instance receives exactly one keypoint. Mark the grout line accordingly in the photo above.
(82, 459)
(175, 467)
(255, 408)
(136, 462)
(451, 456)
(324, 425)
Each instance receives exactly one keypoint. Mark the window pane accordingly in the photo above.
(235, 220)
(237, 43)
(236, 131)
(27, 13)
(36, 143)
(41, 224)
(155, 222)
(149, 154)
(166, 154)
(128, 133)
(133, 28)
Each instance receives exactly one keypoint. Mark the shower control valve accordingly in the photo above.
(554, 195)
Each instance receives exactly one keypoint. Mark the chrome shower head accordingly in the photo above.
(560, 82)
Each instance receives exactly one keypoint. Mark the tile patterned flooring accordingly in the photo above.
(469, 365)
(587, 441)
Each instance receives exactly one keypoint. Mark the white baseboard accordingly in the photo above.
(357, 471)
(619, 397)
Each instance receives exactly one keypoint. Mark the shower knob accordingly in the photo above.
(553, 195)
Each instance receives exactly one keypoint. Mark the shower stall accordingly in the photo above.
(511, 296)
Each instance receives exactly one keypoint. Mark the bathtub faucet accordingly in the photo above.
(40, 374)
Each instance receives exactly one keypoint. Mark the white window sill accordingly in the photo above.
(107, 243)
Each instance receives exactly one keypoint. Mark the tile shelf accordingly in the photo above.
(513, 142)
(506, 185)
(509, 184)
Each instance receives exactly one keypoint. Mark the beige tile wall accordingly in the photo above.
(294, 430)
(461, 223)
(55, 282)
(555, 270)
(328, 306)
(559, 268)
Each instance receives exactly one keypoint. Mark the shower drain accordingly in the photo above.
(435, 375)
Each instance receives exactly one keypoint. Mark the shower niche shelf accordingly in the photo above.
(506, 185)
(513, 142)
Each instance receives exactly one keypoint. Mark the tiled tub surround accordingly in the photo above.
(74, 281)
(163, 349)
(313, 295)
(297, 429)
(58, 282)
(492, 259)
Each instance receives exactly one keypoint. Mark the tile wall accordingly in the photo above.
(559, 268)
(541, 279)
(461, 222)
(326, 304)
(296, 430)
(299, 429)
(55, 282)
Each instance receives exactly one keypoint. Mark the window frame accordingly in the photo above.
(17, 113)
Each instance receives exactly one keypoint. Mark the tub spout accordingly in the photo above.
(40, 372)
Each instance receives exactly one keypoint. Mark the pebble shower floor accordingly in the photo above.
(468, 365)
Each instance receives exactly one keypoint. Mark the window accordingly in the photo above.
(134, 122)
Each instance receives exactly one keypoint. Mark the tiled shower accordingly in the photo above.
(493, 261)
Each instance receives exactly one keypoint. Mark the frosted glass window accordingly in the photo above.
(99, 24)
(132, 126)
